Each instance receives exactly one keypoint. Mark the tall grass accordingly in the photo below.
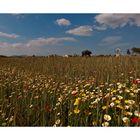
(75, 91)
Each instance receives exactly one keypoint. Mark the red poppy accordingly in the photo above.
(135, 82)
(135, 120)
(47, 108)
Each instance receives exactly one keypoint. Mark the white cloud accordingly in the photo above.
(111, 40)
(7, 35)
(81, 31)
(118, 20)
(10, 45)
(38, 42)
(63, 22)
(31, 46)
(99, 28)
(48, 41)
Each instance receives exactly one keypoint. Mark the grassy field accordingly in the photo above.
(75, 91)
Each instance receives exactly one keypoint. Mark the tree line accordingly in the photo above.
(133, 51)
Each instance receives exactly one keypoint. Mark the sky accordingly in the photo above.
(46, 34)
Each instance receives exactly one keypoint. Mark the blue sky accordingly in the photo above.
(45, 34)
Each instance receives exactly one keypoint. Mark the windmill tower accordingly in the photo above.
(118, 52)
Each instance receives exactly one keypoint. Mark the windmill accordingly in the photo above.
(117, 52)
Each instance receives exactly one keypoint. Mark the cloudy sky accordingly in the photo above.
(45, 34)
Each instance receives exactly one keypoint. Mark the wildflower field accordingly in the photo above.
(75, 91)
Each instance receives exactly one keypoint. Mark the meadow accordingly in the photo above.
(74, 91)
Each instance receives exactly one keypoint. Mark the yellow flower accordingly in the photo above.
(117, 101)
(89, 113)
(120, 86)
(119, 106)
(127, 90)
(60, 98)
(83, 94)
(105, 124)
(77, 101)
(114, 91)
(76, 111)
(104, 107)
(107, 117)
(113, 98)
(126, 101)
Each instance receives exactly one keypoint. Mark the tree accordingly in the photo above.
(86, 53)
(136, 50)
(128, 52)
